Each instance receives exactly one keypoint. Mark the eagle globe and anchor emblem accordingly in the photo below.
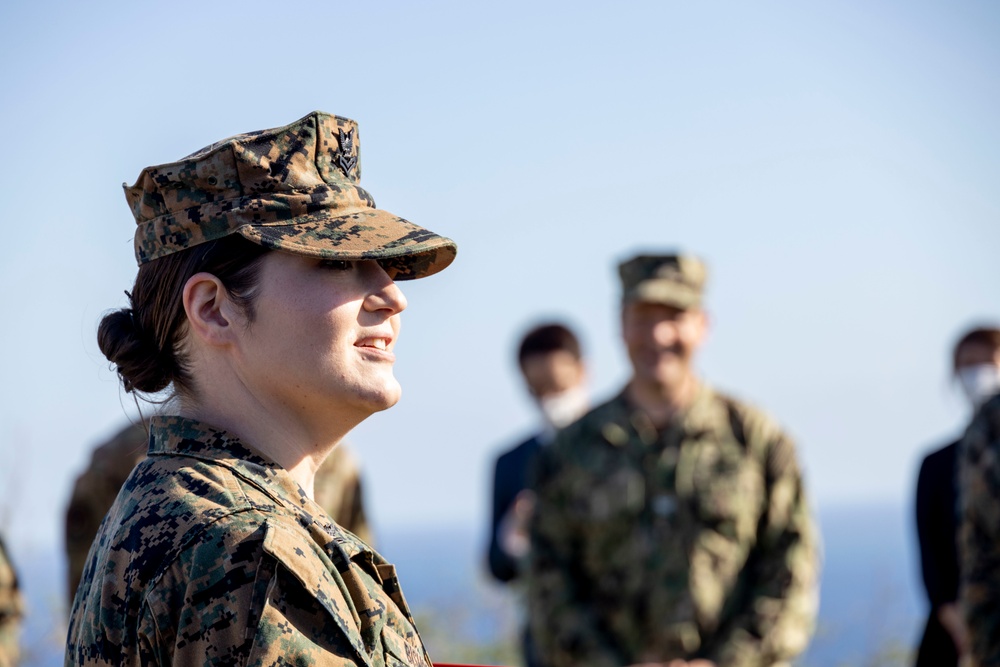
(347, 158)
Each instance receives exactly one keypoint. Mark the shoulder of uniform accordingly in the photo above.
(222, 535)
(178, 495)
(760, 433)
(190, 482)
(756, 421)
(215, 559)
(161, 547)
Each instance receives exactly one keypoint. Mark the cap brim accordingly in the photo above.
(406, 250)
(668, 293)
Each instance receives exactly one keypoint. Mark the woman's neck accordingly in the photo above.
(298, 445)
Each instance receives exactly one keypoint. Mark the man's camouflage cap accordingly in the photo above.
(674, 280)
(292, 188)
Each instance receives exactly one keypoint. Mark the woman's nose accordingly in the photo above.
(385, 293)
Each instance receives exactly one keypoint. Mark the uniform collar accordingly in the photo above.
(701, 414)
(625, 418)
(180, 436)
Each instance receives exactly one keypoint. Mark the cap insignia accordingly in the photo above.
(347, 158)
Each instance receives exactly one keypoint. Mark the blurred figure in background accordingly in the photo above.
(337, 490)
(671, 523)
(979, 513)
(552, 365)
(976, 365)
(95, 491)
(979, 534)
(11, 610)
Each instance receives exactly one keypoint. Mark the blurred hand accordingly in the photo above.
(951, 618)
(513, 529)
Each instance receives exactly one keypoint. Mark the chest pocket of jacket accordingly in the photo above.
(727, 489)
(305, 616)
(619, 494)
(608, 517)
(400, 643)
(398, 651)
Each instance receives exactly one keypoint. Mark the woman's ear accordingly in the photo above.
(209, 310)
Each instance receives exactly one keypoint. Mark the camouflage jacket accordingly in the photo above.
(212, 555)
(979, 533)
(11, 610)
(690, 542)
(337, 490)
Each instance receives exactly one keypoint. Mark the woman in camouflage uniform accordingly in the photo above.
(266, 301)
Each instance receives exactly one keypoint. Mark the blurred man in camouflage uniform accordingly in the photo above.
(979, 534)
(337, 490)
(11, 610)
(671, 525)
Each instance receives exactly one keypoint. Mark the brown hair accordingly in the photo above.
(985, 336)
(546, 339)
(142, 342)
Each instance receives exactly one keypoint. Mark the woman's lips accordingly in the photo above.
(376, 346)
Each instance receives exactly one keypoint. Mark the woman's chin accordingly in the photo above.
(384, 397)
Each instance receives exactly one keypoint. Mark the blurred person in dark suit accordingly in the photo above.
(554, 373)
(976, 365)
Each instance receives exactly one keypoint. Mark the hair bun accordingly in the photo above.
(134, 354)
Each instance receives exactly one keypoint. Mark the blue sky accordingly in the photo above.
(835, 163)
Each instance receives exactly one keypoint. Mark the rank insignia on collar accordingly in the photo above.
(347, 158)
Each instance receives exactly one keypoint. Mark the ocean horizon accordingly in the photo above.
(871, 602)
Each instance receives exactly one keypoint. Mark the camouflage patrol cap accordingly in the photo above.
(675, 280)
(292, 188)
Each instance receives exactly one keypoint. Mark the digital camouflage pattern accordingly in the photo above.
(11, 611)
(212, 555)
(979, 533)
(674, 280)
(95, 491)
(293, 188)
(691, 542)
(337, 490)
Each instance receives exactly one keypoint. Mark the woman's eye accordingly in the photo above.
(337, 264)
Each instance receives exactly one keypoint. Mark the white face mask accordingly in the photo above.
(979, 382)
(564, 408)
